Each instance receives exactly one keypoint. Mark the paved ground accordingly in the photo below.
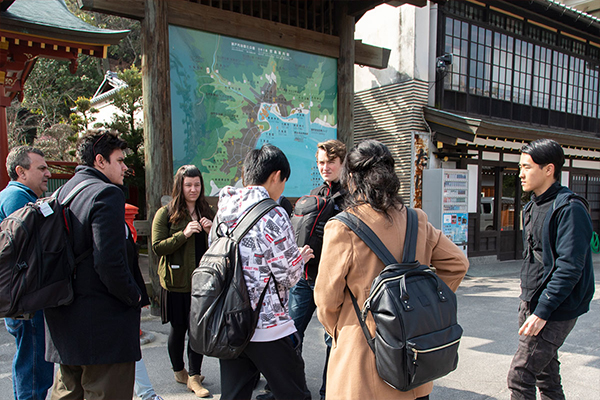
(488, 301)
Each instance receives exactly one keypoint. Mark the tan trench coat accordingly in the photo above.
(348, 260)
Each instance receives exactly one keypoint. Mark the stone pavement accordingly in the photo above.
(488, 301)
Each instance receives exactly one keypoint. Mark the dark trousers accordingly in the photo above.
(175, 346)
(94, 382)
(535, 363)
(279, 361)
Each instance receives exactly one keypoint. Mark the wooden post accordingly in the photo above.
(157, 118)
(3, 148)
(346, 24)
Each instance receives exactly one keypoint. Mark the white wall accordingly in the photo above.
(106, 110)
(405, 30)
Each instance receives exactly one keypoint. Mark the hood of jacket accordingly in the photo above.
(235, 202)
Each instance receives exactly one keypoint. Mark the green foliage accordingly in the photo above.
(51, 90)
(81, 120)
(129, 102)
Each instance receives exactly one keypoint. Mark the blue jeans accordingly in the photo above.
(302, 305)
(32, 374)
(142, 386)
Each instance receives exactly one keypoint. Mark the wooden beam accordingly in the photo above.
(3, 142)
(228, 23)
(157, 116)
(211, 19)
(133, 9)
(345, 122)
(375, 57)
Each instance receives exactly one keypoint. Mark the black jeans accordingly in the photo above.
(279, 361)
(535, 363)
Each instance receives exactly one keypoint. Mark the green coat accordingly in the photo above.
(174, 249)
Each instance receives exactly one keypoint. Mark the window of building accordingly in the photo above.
(510, 68)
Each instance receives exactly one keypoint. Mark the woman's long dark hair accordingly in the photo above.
(177, 206)
(368, 173)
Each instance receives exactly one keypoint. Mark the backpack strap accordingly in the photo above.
(74, 192)
(412, 232)
(367, 235)
(370, 339)
(66, 201)
(252, 217)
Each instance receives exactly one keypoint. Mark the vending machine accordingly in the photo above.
(445, 200)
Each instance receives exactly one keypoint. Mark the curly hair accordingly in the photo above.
(369, 175)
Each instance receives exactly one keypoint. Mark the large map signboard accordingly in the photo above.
(231, 95)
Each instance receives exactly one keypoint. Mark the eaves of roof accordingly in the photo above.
(454, 126)
(52, 19)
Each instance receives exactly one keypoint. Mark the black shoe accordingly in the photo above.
(266, 396)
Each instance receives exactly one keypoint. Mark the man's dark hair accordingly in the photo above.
(19, 156)
(544, 152)
(98, 141)
(261, 163)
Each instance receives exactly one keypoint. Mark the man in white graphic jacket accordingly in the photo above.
(268, 248)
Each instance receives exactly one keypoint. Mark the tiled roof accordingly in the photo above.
(52, 18)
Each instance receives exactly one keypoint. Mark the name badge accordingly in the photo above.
(174, 266)
(46, 210)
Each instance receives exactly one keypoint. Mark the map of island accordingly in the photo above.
(229, 96)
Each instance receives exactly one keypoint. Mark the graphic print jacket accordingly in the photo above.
(269, 247)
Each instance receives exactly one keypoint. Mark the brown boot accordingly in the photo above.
(194, 383)
(181, 376)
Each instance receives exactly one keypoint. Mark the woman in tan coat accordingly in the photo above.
(346, 260)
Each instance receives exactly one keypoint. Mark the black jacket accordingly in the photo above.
(101, 325)
(325, 190)
(331, 190)
(567, 285)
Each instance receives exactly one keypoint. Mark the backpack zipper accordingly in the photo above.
(433, 349)
(367, 302)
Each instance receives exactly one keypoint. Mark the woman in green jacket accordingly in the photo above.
(180, 237)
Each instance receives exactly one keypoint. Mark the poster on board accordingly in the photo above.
(230, 95)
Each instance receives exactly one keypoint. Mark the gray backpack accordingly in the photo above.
(36, 256)
(222, 320)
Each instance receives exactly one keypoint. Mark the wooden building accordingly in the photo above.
(470, 84)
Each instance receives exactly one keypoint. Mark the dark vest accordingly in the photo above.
(532, 270)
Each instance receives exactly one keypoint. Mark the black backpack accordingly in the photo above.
(36, 256)
(222, 320)
(311, 213)
(417, 334)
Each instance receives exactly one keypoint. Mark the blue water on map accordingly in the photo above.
(297, 137)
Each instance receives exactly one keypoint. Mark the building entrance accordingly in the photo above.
(496, 228)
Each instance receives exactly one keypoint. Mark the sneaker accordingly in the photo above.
(156, 397)
(266, 396)
(194, 383)
(181, 376)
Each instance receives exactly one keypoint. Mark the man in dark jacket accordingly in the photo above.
(557, 277)
(95, 339)
(330, 157)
